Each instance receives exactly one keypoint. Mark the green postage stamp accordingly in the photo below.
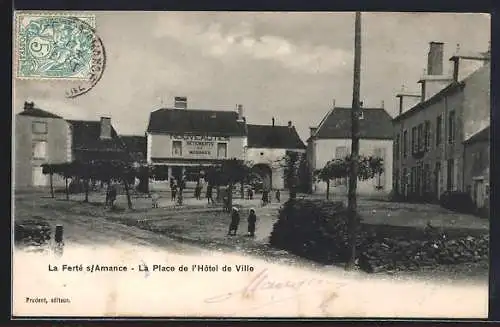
(53, 45)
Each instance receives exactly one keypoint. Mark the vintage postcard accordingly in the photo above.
(250, 164)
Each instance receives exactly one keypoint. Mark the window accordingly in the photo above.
(450, 175)
(177, 148)
(438, 129)
(396, 181)
(221, 150)
(426, 179)
(418, 181)
(340, 152)
(40, 150)
(396, 147)
(420, 137)
(39, 127)
(413, 179)
(404, 180)
(451, 127)
(405, 144)
(427, 135)
(414, 143)
(437, 177)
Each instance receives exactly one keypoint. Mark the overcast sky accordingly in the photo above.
(287, 65)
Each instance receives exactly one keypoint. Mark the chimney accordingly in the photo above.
(239, 108)
(290, 124)
(273, 121)
(312, 130)
(435, 59)
(28, 105)
(180, 102)
(105, 128)
(407, 101)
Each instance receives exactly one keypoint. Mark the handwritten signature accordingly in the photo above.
(262, 283)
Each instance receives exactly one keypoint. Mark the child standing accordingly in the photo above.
(252, 219)
(235, 221)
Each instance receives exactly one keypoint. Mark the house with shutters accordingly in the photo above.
(43, 137)
(40, 137)
(331, 139)
(432, 131)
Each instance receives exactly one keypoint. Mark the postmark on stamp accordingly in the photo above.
(57, 46)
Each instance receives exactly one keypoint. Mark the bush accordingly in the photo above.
(314, 229)
(457, 201)
(318, 230)
(32, 231)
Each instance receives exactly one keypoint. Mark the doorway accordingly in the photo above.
(39, 179)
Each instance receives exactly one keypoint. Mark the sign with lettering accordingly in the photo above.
(199, 146)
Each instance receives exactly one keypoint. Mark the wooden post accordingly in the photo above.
(353, 178)
(59, 233)
(328, 189)
(66, 188)
(51, 185)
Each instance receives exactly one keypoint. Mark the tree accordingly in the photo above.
(368, 167)
(290, 164)
(228, 173)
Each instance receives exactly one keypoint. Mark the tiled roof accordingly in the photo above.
(211, 122)
(376, 124)
(481, 136)
(36, 112)
(136, 145)
(87, 143)
(277, 137)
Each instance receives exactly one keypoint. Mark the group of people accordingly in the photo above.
(266, 197)
(235, 222)
(176, 188)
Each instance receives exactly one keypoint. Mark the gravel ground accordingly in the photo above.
(198, 226)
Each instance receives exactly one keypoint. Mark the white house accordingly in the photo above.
(332, 139)
(267, 146)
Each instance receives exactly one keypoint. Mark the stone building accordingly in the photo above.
(332, 139)
(429, 135)
(40, 137)
(477, 167)
(267, 146)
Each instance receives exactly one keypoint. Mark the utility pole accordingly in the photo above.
(353, 176)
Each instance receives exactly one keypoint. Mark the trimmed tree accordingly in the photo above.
(368, 167)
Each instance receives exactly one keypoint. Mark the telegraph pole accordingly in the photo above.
(353, 176)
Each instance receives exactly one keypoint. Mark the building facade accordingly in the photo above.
(331, 139)
(43, 137)
(477, 167)
(428, 136)
(40, 137)
(186, 140)
(267, 146)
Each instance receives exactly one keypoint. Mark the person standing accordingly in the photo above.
(278, 196)
(252, 219)
(235, 221)
(173, 190)
(210, 198)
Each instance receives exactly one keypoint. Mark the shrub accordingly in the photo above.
(457, 201)
(314, 229)
(318, 230)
